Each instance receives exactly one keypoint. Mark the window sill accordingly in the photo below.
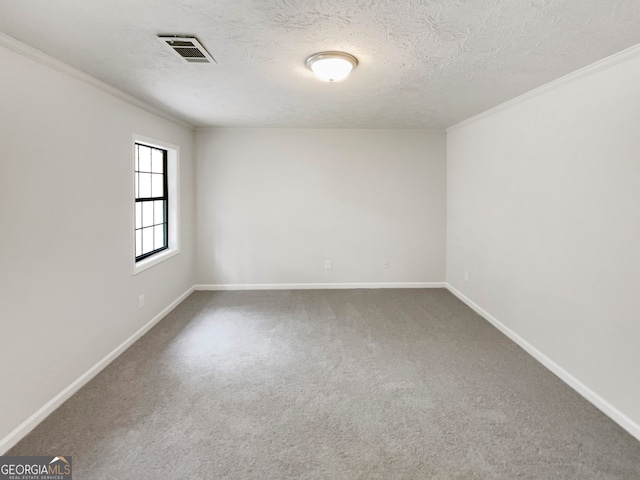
(160, 257)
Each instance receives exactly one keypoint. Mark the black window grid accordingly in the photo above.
(164, 198)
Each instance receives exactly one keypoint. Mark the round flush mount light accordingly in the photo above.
(331, 66)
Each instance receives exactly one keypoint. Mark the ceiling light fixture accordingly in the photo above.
(331, 66)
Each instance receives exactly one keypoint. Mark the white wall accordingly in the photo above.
(544, 213)
(67, 296)
(273, 204)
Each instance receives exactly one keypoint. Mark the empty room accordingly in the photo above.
(320, 240)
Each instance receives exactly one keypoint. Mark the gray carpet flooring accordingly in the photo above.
(333, 384)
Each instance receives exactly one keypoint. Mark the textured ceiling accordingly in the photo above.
(423, 63)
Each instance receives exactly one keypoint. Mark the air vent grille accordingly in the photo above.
(189, 52)
(188, 48)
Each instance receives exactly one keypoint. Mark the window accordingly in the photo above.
(155, 195)
(152, 200)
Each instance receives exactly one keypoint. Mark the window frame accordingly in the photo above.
(163, 198)
(173, 195)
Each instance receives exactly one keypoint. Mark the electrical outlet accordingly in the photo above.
(141, 301)
(327, 264)
(466, 276)
(387, 265)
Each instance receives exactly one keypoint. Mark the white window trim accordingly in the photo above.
(173, 181)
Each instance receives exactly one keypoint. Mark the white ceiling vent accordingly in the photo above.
(188, 48)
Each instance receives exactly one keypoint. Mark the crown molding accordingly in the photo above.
(607, 62)
(66, 69)
(266, 127)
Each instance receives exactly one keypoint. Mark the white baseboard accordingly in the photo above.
(316, 286)
(30, 423)
(616, 415)
(612, 412)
